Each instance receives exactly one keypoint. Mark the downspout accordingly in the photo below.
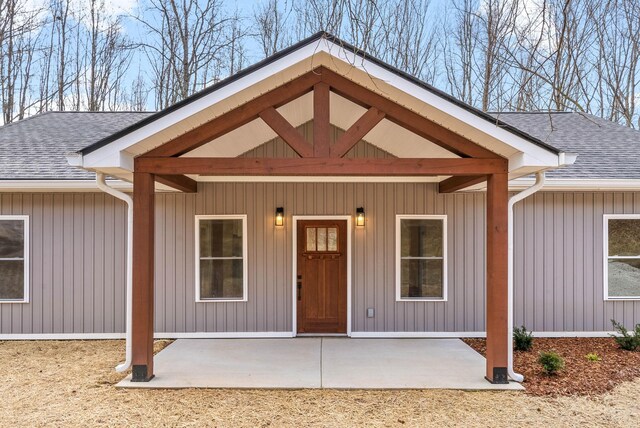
(510, 293)
(102, 185)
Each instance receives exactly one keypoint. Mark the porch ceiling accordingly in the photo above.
(387, 136)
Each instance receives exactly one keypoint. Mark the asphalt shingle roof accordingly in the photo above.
(606, 150)
(35, 148)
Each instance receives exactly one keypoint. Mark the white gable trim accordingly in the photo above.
(320, 52)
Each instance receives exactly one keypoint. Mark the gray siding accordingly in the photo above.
(78, 240)
(271, 251)
(559, 261)
(76, 263)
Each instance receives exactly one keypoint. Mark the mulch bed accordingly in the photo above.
(580, 376)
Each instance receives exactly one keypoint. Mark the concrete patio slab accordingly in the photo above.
(236, 363)
(327, 362)
(404, 364)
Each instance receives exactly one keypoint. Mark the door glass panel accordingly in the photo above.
(332, 239)
(311, 238)
(322, 239)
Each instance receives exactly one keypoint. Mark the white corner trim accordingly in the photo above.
(398, 260)
(245, 251)
(294, 265)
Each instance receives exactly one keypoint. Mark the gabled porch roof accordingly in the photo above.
(455, 125)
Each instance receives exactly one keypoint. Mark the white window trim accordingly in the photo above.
(605, 258)
(399, 219)
(25, 219)
(245, 263)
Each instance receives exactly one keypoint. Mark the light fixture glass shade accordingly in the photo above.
(360, 217)
(279, 216)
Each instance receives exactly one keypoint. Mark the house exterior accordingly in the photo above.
(318, 192)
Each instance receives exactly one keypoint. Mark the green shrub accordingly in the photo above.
(624, 339)
(551, 362)
(592, 357)
(523, 340)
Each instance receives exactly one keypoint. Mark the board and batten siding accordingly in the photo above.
(559, 282)
(76, 263)
(77, 259)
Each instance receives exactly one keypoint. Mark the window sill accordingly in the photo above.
(424, 299)
(220, 300)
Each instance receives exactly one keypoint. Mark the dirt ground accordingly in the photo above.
(71, 384)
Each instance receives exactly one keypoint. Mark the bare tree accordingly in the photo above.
(271, 19)
(189, 45)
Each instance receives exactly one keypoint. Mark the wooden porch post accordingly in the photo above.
(497, 277)
(143, 276)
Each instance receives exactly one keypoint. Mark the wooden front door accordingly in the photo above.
(322, 276)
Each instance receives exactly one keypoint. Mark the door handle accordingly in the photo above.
(299, 286)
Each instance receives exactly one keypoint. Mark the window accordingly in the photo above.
(14, 251)
(421, 266)
(622, 256)
(221, 258)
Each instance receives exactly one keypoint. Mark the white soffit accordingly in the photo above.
(387, 136)
(325, 53)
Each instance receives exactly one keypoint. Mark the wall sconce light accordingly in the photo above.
(279, 216)
(360, 217)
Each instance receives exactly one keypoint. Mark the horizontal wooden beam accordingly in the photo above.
(321, 166)
(356, 132)
(287, 132)
(237, 117)
(178, 182)
(405, 117)
(460, 182)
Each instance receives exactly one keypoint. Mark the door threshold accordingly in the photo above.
(321, 335)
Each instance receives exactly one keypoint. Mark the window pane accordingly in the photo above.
(221, 238)
(322, 239)
(624, 237)
(332, 239)
(311, 238)
(624, 278)
(221, 279)
(12, 279)
(11, 238)
(421, 238)
(421, 278)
